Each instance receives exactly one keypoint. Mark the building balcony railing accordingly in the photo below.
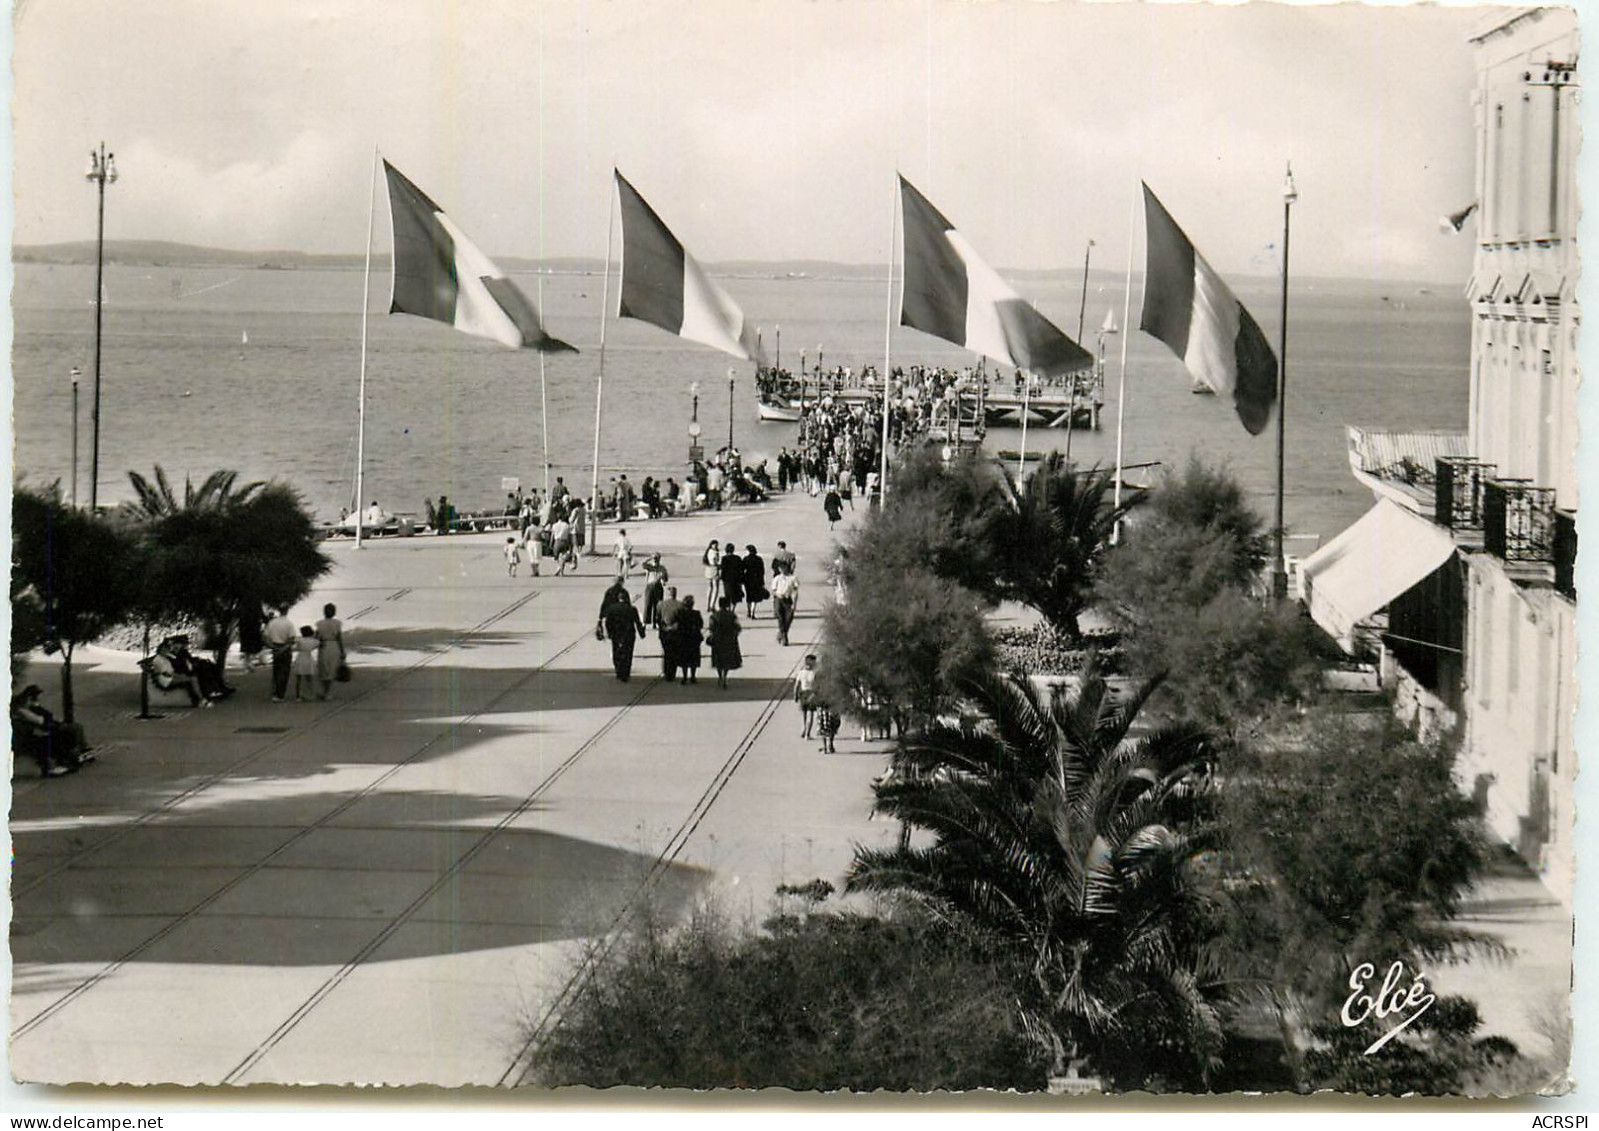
(1459, 484)
(1518, 520)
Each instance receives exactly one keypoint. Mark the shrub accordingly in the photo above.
(901, 647)
(816, 1003)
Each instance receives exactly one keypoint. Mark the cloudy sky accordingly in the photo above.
(759, 129)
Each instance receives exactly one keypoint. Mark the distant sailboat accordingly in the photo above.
(244, 337)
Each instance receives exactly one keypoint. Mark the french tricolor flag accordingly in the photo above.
(664, 285)
(1187, 306)
(440, 274)
(951, 293)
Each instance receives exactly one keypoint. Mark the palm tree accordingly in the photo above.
(1055, 528)
(1074, 845)
(223, 550)
(218, 492)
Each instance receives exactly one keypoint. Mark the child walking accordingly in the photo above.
(305, 663)
(828, 723)
(805, 695)
(513, 555)
(535, 551)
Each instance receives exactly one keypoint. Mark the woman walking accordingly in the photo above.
(833, 505)
(732, 575)
(690, 630)
(712, 561)
(722, 634)
(754, 581)
(330, 655)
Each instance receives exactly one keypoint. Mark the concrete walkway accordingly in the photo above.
(389, 887)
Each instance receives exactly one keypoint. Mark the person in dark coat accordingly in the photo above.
(833, 504)
(754, 581)
(666, 626)
(722, 635)
(690, 627)
(732, 568)
(619, 621)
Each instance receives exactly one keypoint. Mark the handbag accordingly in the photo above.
(342, 675)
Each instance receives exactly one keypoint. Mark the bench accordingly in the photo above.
(159, 682)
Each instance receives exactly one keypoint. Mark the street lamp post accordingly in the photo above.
(76, 375)
(102, 171)
(1279, 566)
(694, 450)
(730, 379)
(778, 330)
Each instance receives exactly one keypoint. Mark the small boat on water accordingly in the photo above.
(777, 412)
(1011, 455)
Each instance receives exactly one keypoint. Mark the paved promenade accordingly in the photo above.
(388, 887)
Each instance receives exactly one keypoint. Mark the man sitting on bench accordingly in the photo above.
(59, 748)
(206, 674)
(165, 675)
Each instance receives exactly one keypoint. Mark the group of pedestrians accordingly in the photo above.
(314, 655)
(731, 579)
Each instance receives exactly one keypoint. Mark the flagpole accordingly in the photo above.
(544, 394)
(888, 333)
(599, 388)
(1121, 380)
(366, 303)
(1279, 565)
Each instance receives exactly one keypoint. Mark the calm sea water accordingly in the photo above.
(449, 414)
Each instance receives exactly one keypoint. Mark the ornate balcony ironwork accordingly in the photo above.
(1458, 483)
(1518, 520)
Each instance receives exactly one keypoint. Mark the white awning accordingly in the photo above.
(1386, 552)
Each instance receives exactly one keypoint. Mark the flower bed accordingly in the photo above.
(1041, 650)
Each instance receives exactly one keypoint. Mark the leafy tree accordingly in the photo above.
(902, 646)
(73, 578)
(1180, 588)
(1051, 831)
(1348, 842)
(224, 551)
(1210, 499)
(938, 521)
(1054, 529)
(817, 1002)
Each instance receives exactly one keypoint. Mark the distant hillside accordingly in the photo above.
(161, 253)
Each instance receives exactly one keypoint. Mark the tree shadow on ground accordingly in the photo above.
(249, 885)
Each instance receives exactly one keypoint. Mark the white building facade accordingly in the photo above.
(1486, 643)
(1520, 640)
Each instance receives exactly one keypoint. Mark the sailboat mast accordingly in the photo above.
(599, 388)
